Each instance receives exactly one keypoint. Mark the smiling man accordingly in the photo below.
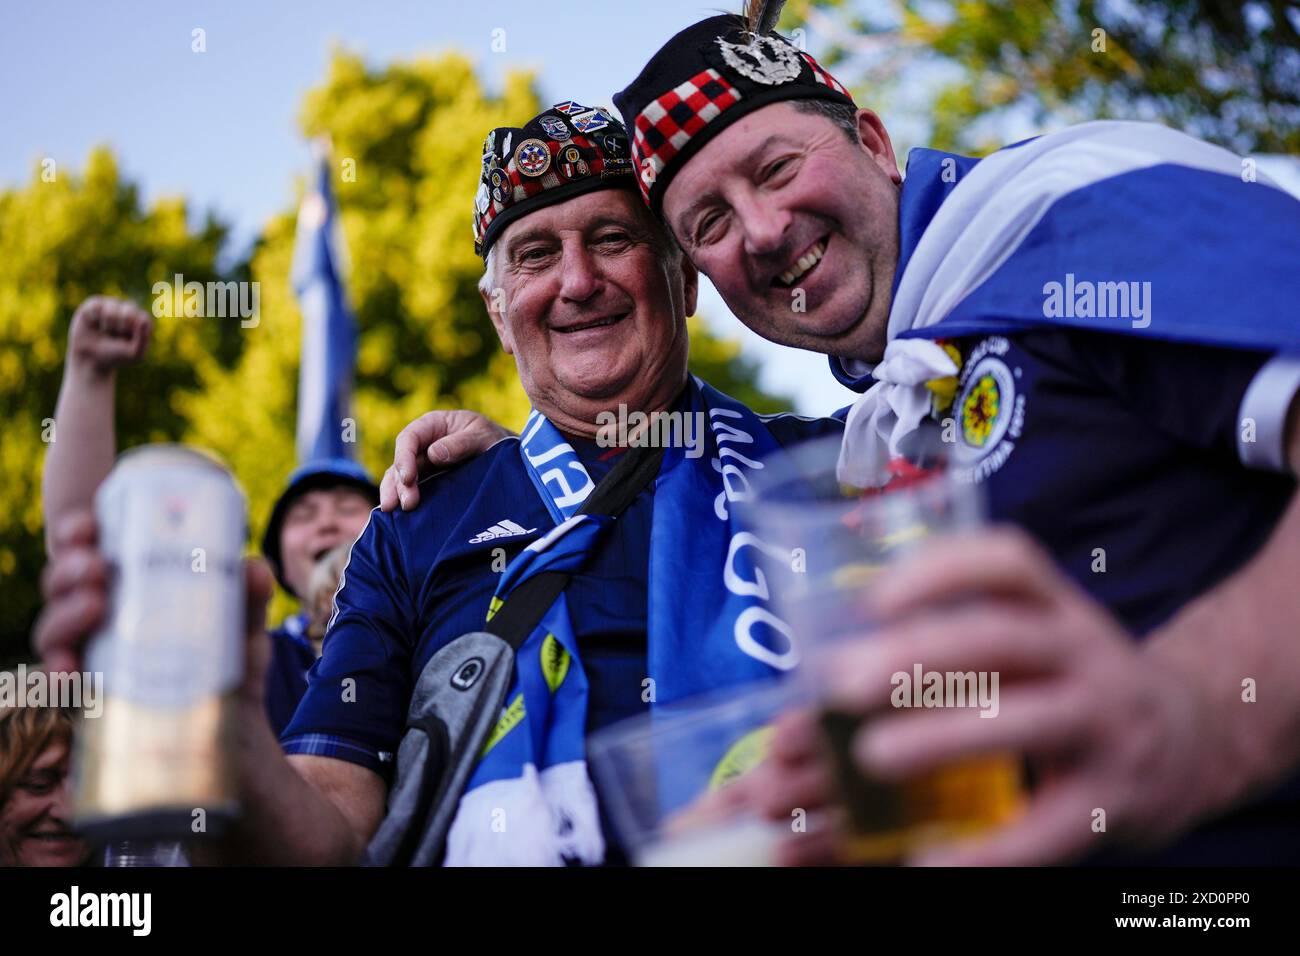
(1148, 441)
(818, 281)
(1098, 326)
(590, 296)
(326, 503)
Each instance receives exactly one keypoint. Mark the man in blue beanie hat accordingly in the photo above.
(326, 503)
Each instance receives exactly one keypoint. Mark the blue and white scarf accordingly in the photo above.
(1103, 202)
(530, 801)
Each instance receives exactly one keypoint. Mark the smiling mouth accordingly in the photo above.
(598, 324)
(63, 836)
(803, 265)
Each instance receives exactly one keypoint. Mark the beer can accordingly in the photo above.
(159, 760)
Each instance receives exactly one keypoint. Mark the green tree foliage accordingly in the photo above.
(406, 145)
(64, 237)
(1227, 72)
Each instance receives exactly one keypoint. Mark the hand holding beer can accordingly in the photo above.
(159, 762)
(822, 544)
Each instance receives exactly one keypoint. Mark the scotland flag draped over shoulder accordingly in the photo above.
(1120, 227)
(329, 336)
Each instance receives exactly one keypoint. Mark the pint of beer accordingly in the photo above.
(821, 545)
(158, 763)
(888, 821)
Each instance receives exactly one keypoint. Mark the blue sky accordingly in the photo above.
(220, 127)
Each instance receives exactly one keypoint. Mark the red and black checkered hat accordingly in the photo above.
(703, 80)
(562, 152)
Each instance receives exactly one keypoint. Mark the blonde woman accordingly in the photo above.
(35, 790)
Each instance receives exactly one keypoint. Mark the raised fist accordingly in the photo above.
(107, 333)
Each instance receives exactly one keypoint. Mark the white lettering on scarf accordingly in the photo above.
(565, 494)
(735, 487)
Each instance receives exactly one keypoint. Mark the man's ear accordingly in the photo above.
(690, 284)
(875, 140)
(494, 300)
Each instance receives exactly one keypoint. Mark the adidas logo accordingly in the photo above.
(503, 529)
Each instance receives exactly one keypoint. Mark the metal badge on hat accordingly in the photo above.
(554, 127)
(767, 60)
(517, 178)
(591, 121)
(532, 158)
(499, 182)
(569, 107)
(572, 165)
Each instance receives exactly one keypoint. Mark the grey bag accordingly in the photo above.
(459, 695)
(456, 703)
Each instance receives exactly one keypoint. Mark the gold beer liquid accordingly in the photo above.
(890, 820)
(159, 762)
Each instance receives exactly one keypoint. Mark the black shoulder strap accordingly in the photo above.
(526, 604)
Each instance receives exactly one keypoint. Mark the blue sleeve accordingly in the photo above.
(359, 689)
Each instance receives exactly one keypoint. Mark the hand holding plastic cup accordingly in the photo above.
(822, 544)
(669, 779)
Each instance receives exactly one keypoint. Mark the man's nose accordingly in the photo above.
(764, 225)
(327, 519)
(579, 279)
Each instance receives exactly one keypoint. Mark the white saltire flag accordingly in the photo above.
(329, 335)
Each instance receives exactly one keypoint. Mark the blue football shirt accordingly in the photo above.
(417, 580)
